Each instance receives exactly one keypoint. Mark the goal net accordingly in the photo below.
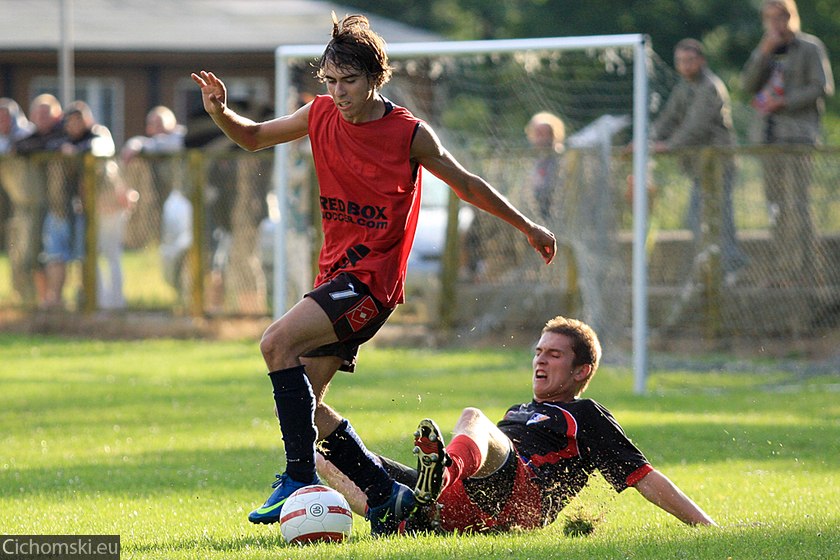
(483, 279)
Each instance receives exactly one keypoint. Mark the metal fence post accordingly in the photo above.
(711, 178)
(449, 266)
(89, 262)
(198, 180)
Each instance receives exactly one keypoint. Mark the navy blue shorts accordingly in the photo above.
(355, 314)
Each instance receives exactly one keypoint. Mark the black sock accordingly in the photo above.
(344, 449)
(296, 411)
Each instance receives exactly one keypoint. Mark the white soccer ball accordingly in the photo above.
(315, 513)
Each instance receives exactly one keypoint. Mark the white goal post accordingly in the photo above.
(285, 54)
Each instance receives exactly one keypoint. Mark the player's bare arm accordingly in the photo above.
(660, 491)
(249, 135)
(427, 150)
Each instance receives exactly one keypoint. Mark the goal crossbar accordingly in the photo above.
(284, 54)
(395, 50)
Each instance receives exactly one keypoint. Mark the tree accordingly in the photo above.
(730, 29)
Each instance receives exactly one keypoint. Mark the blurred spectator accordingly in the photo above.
(64, 226)
(176, 239)
(488, 252)
(789, 76)
(46, 114)
(698, 113)
(13, 126)
(220, 198)
(546, 133)
(234, 204)
(115, 202)
(155, 174)
(30, 207)
(163, 135)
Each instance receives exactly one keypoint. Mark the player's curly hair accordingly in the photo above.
(355, 46)
(585, 343)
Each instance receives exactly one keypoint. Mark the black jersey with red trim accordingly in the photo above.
(564, 443)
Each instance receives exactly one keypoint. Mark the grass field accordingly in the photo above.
(144, 286)
(170, 443)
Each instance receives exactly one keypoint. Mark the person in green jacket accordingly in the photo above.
(697, 114)
(789, 77)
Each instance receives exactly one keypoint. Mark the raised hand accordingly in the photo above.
(213, 92)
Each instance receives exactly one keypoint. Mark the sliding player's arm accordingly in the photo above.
(660, 491)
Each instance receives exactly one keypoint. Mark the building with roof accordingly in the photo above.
(130, 55)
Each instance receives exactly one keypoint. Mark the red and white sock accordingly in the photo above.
(466, 459)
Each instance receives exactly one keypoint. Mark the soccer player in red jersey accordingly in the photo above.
(368, 156)
(522, 471)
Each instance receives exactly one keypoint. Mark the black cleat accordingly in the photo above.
(431, 462)
(424, 519)
(390, 518)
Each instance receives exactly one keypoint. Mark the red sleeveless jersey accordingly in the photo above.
(369, 199)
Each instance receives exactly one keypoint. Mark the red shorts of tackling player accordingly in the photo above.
(474, 504)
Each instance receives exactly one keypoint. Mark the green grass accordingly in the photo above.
(144, 285)
(5, 279)
(170, 443)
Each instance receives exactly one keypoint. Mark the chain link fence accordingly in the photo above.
(778, 272)
(197, 234)
(156, 224)
(741, 243)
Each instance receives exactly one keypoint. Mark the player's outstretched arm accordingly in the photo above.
(659, 490)
(248, 134)
(427, 150)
